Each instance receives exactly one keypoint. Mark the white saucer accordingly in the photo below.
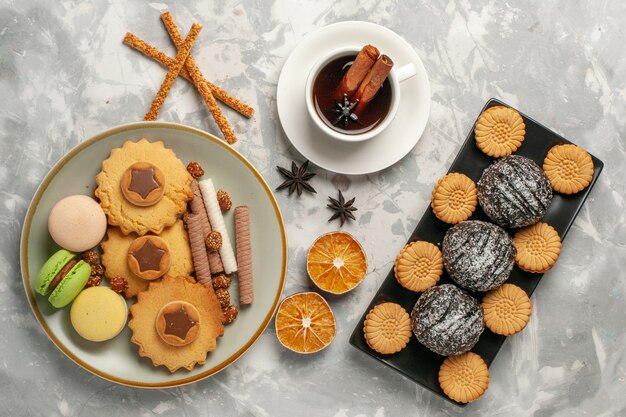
(352, 158)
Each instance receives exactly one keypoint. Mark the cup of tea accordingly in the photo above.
(342, 116)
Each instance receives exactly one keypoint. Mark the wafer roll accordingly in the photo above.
(244, 254)
(198, 250)
(209, 196)
(198, 208)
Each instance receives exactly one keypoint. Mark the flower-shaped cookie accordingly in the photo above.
(569, 168)
(148, 307)
(454, 198)
(131, 217)
(537, 247)
(115, 256)
(499, 131)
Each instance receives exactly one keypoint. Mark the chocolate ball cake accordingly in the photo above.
(478, 255)
(447, 320)
(514, 192)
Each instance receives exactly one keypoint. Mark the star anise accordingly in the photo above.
(343, 209)
(297, 178)
(345, 110)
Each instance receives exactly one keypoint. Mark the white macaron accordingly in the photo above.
(77, 223)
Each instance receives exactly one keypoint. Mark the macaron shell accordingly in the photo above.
(49, 270)
(98, 314)
(77, 223)
(71, 285)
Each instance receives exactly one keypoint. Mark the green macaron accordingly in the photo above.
(62, 277)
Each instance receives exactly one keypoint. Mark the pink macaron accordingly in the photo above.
(77, 223)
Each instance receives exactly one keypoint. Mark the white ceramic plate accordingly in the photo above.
(117, 360)
(352, 158)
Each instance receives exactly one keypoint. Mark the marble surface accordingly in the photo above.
(65, 75)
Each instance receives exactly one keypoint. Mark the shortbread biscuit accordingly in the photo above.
(464, 378)
(569, 168)
(387, 328)
(506, 309)
(538, 247)
(115, 256)
(130, 217)
(145, 313)
(499, 131)
(418, 266)
(454, 198)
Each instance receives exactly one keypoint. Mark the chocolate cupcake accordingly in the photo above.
(447, 320)
(514, 192)
(478, 255)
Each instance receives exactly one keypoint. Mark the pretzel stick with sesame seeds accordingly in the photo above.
(222, 95)
(199, 81)
(172, 74)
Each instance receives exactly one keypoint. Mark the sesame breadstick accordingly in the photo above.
(197, 208)
(172, 74)
(244, 254)
(217, 223)
(219, 93)
(199, 81)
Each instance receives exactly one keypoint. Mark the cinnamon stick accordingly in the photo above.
(357, 72)
(172, 74)
(222, 95)
(199, 81)
(372, 83)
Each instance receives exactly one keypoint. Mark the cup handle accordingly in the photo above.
(405, 72)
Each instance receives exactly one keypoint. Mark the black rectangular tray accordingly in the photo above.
(418, 363)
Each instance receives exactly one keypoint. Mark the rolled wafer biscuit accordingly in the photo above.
(197, 207)
(172, 74)
(244, 254)
(198, 250)
(209, 196)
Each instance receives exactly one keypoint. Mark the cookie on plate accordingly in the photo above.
(163, 327)
(387, 328)
(569, 168)
(538, 247)
(116, 260)
(138, 197)
(464, 378)
(418, 266)
(499, 131)
(507, 309)
(454, 198)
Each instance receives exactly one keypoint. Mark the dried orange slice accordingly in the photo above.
(336, 262)
(305, 323)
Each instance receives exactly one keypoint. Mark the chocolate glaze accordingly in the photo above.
(61, 274)
(178, 323)
(143, 181)
(149, 257)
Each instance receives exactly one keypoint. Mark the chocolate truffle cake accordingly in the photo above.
(478, 255)
(447, 320)
(514, 192)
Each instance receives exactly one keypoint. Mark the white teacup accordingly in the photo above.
(396, 76)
